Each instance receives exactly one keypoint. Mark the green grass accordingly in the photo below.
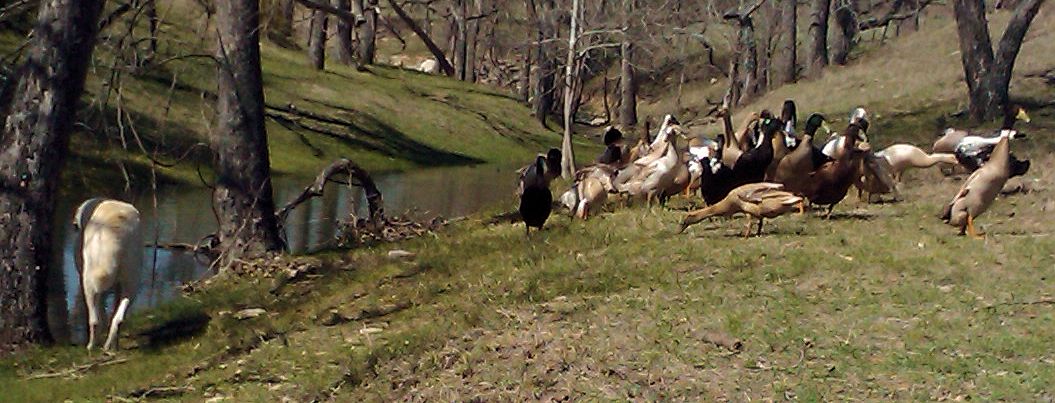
(883, 302)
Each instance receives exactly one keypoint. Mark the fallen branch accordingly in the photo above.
(374, 312)
(76, 369)
(352, 19)
(160, 392)
(353, 171)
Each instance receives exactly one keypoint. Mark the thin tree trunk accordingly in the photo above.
(368, 38)
(287, 20)
(545, 72)
(345, 48)
(909, 24)
(570, 73)
(317, 39)
(243, 194)
(786, 64)
(627, 86)
(33, 148)
(472, 56)
(845, 32)
(750, 60)
(152, 27)
(525, 77)
(818, 50)
(461, 40)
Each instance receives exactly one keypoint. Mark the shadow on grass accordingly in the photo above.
(363, 131)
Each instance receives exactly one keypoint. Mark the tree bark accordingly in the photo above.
(368, 38)
(845, 32)
(570, 74)
(749, 67)
(627, 86)
(910, 24)
(988, 74)
(243, 195)
(818, 49)
(525, 78)
(445, 65)
(152, 27)
(317, 39)
(461, 39)
(473, 38)
(287, 20)
(345, 48)
(785, 70)
(546, 71)
(33, 148)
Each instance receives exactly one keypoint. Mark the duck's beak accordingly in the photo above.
(1022, 115)
(826, 127)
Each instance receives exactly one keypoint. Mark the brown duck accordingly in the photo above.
(757, 200)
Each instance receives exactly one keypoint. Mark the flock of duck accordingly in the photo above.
(769, 168)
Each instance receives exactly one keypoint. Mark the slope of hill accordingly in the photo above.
(384, 118)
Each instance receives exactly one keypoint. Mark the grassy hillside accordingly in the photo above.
(384, 118)
(883, 302)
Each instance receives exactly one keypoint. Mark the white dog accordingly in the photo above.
(110, 252)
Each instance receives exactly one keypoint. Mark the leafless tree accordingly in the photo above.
(818, 49)
(345, 47)
(988, 74)
(786, 69)
(317, 40)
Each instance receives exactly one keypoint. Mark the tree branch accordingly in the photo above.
(354, 20)
(436, 52)
(1011, 42)
(341, 166)
(891, 17)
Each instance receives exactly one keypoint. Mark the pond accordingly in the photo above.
(184, 215)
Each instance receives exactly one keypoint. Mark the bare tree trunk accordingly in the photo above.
(525, 77)
(287, 20)
(845, 32)
(317, 40)
(445, 65)
(368, 36)
(749, 69)
(461, 40)
(344, 34)
(34, 144)
(786, 68)
(243, 195)
(988, 75)
(818, 50)
(544, 82)
(152, 27)
(910, 24)
(627, 86)
(473, 43)
(570, 73)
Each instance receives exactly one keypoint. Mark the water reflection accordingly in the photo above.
(183, 216)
